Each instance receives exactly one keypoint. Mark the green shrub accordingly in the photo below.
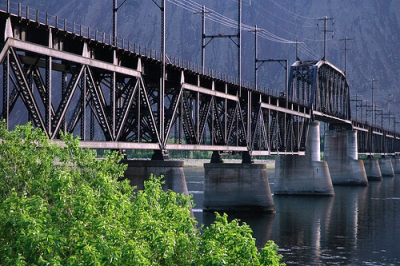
(63, 206)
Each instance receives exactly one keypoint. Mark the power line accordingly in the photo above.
(217, 17)
(290, 12)
(225, 21)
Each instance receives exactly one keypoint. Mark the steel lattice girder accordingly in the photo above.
(118, 94)
(207, 117)
(321, 86)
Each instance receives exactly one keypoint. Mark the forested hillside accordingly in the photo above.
(373, 27)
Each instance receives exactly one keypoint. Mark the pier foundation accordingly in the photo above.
(396, 164)
(386, 166)
(304, 175)
(237, 187)
(139, 171)
(372, 169)
(340, 151)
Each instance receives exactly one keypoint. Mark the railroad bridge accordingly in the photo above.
(65, 77)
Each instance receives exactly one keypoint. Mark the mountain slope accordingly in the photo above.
(373, 26)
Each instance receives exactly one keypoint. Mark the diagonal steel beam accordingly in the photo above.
(25, 91)
(188, 124)
(151, 114)
(66, 101)
(99, 104)
(37, 77)
(204, 117)
(175, 104)
(125, 107)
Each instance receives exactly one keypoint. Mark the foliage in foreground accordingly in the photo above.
(62, 206)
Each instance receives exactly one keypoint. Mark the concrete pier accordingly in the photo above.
(237, 187)
(396, 165)
(386, 166)
(139, 171)
(340, 151)
(304, 175)
(372, 169)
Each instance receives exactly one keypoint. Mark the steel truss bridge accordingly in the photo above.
(65, 78)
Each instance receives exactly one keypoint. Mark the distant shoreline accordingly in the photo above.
(200, 162)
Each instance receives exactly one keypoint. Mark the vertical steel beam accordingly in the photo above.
(49, 92)
(6, 88)
(83, 105)
(113, 104)
(226, 116)
(63, 94)
(139, 104)
(198, 113)
(248, 137)
(162, 79)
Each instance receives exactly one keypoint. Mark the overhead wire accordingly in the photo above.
(290, 12)
(257, 10)
(217, 17)
(302, 47)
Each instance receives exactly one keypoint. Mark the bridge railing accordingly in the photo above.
(36, 16)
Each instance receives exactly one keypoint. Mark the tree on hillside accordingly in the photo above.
(64, 206)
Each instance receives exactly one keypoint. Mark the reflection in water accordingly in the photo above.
(358, 226)
(300, 224)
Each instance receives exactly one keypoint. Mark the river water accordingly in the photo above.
(357, 226)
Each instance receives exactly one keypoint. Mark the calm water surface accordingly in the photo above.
(358, 226)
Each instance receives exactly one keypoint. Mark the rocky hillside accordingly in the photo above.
(373, 27)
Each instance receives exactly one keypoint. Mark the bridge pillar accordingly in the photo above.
(139, 171)
(216, 157)
(159, 155)
(237, 187)
(340, 151)
(372, 169)
(396, 164)
(304, 175)
(386, 166)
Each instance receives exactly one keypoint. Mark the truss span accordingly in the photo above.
(117, 98)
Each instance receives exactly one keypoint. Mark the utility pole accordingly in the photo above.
(372, 96)
(345, 53)
(221, 35)
(325, 30)
(203, 36)
(395, 124)
(379, 112)
(357, 105)
(262, 61)
(255, 54)
(389, 100)
(240, 46)
(115, 10)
